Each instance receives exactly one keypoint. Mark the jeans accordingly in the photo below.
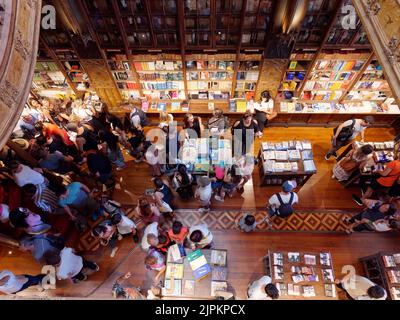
(261, 118)
(32, 281)
(116, 157)
(86, 264)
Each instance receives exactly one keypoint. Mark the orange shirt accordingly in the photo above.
(391, 178)
(179, 238)
(53, 130)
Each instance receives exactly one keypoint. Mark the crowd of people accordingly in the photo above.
(63, 167)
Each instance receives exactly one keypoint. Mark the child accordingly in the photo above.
(178, 232)
(203, 193)
(247, 223)
(164, 242)
(125, 226)
(107, 234)
(155, 261)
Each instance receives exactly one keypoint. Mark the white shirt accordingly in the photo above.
(358, 128)
(256, 290)
(70, 265)
(150, 229)
(205, 193)
(4, 213)
(27, 175)
(126, 225)
(264, 106)
(207, 235)
(361, 286)
(274, 201)
(13, 284)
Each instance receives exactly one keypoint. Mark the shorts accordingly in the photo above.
(375, 185)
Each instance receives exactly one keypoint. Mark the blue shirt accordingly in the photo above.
(76, 196)
(52, 161)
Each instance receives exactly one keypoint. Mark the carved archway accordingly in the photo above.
(19, 37)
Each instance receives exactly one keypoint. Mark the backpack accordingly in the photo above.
(346, 132)
(285, 209)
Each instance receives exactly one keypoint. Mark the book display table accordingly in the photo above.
(383, 152)
(196, 276)
(302, 275)
(383, 269)
(287, 160)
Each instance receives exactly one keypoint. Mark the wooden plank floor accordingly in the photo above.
(320, 192)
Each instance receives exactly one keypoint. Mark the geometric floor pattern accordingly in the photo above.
(300, 221)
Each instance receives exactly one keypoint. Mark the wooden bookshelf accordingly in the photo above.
(247, 76)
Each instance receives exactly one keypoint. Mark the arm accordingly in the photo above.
(85, 188)
(385, 172)
(159, 274)
(362, 136)
(338, 130)
(68, 211)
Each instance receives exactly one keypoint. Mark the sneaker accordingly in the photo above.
(357, 200)
(78, 280)
(346, 220)
(335, 155)
(97, 268)
(202, 210)
(218, 198)
(113, 252)
(327, 156)
(120, 237)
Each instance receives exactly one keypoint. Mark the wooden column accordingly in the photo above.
(18, 47)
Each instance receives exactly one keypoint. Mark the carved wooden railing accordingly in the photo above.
(19, 37)
(381, 20)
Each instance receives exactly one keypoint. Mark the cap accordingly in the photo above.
(288, 186)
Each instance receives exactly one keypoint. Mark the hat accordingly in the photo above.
(22, 143)
(288, 186)
(4, 212)
(219, 173)
(204, 181)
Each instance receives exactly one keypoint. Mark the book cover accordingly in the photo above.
(294, 256)
(219, 273)
(188, 288)
(174, 271)
(199, 262)
(218, 286)
(173, 288)
(327, 275)
(218, 258)
(310, 259)
(330, 290)
(202, 272)
(293, 290)
(292, 65)
(308, 291)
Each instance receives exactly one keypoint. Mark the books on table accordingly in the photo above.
(176, 253)
(198, 264)
(309, 166)
(188, 287)
(174, 271)
(308, 291)
(218, 286)
(172, 287)
(218, 258)
(389, 261)
(330, 290)
(293, 290)
(219, 273)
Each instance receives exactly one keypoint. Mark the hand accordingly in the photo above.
(127, 275)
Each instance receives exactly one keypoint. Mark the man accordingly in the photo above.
(99, 165)
(262, 289)
(239, 131)
(200, 237)
(24, 175)
(45, 248)
(345, 133)
(280, 204)
(138, 118)
(361, 288)
(12, 284)
(44, 198)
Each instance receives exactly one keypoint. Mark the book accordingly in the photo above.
(175, 106)
(177, 252)
(218, 286)
(283, 290)
(174, 271)
(396, 257)
(278, 273)
(330, 290)
(219, 273)
(278, 259)
(199, 262)
(395, 293)
(218, 258)
(389, 261)
(394, 276)
(327, 275)
(310, 259)
(294, 155)
(297, 278)
(281, 155)
(202, 272)
(309, 166)
(188, 288)
(172, 288)
(293, 290)
(307, 155)
(294, 256)
(325, 259)
(308, 291)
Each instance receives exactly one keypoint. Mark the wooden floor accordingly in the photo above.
(245, 251)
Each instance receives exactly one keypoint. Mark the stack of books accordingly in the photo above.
(199, 265)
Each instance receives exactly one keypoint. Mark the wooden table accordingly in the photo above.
(287, 275)
(202, 288)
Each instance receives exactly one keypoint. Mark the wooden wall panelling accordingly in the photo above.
(270, 76)
(381, 20)
(19, 40)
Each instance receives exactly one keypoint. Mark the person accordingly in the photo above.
(107, 234)
(51, 129)
(355, 159)
(57, 162)
(183, 182)
(12, 284)
(118, 127)
(264, 111)
(239, 132)
(164, 242)
(154, 157)
(247, 223)
(245, 165)
(386, 179)
(70, 266)
(138, 118)
(45, 248)
(77, 196)
(281, 204)
(85, 136)
(165, 120)
(23, 175)
(129, 292)
(346, 133)
(204, 193)
(149, 233)
(163, 196)
(218, 123)
(262, 289)
(232, 180)
(155, 261)
(125, 226)
(99, 166)
(109, 143)
(178, 232)
(361, 288)
(44, 198)
(363, 220)
(199, 237)
(4, 213)
(193, 123)
(31, 222)
(147, 211)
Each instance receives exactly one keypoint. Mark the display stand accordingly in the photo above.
(383, 268)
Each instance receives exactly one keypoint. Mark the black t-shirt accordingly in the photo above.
(98, 163)
(195, 126)
(373, 214)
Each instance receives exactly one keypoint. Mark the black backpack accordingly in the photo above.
(346, 132)
(285, 209)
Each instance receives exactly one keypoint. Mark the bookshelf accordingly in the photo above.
(332, 75)
(210, 77)
(160, 76)
(247, 76)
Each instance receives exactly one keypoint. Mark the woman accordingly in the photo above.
(147, 211)
(183, 182)
(355, 159)
(112, 149)
(243, 125)
(154, 158)
(31, 222)
(218, 123)
(232, 181)
(86, 138)
(155, 261)
(264, 111)
(107, 234)
(194, 123)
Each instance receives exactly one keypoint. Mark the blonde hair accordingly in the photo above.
(164, 116)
